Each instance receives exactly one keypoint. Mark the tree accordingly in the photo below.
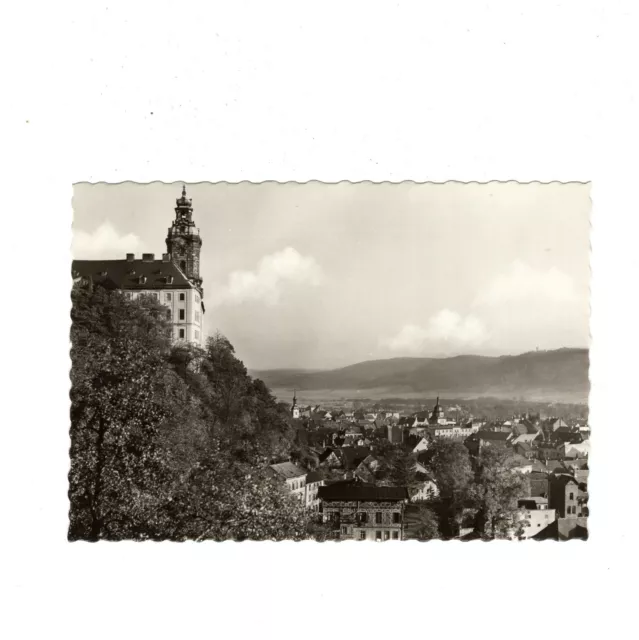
(496, 491)
(449, 462)
(422, 523)
(121, 393)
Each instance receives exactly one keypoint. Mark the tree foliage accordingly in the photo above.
(495, 492)
(450, 464)
(169, 442)
(422, 522)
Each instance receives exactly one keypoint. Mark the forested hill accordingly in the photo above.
(562, 371)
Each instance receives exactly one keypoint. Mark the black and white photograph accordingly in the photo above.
(330, 362)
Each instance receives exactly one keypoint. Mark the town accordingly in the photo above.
(340, 469)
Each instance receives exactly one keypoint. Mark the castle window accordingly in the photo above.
(395, 535)
(183, 265)
(362, 535)
(182, 314)
(378, 517)
(378, 535)
(397, 518)
(572, 496)
(167, 297)
(182, 297)
(181, 334)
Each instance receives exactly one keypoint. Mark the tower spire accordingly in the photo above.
(183, 240)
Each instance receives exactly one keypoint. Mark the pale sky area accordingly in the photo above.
(322, 276)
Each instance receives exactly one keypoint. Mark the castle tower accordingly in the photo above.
(183, 241)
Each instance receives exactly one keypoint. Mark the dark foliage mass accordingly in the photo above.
(169, 442)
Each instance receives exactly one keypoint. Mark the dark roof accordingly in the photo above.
(493, 435)
(288, 470)
(313, 476)
(125, 274)
(361, 491)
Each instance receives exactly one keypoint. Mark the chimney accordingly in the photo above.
(148, 257)
(130, 257)
(165, 257)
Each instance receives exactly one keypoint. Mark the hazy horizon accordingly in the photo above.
(460, 355)
(314, 276)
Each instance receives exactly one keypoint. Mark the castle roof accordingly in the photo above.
(131, 274)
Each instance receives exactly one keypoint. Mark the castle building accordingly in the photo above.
(174, 280)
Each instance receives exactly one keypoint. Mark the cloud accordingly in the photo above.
(104, 243)
(444, 328)
(273, 273)
(522, 283)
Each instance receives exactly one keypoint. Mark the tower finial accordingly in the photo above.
(184, 191)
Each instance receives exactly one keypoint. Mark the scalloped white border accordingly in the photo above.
(421, 91)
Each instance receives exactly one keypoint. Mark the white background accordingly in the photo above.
(297, 91)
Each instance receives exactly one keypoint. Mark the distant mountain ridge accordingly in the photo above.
(556, 372)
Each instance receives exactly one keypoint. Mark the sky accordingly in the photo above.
(319, 276)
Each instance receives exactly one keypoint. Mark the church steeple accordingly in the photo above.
(183, 241)
(295, 410)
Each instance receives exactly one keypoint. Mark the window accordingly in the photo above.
(182, 334)
(572, 496)
(197, 335)
(197, 316)
(183, 265)
(345, 530)
(362, 535)
(362, 517)
(378, 535)
(128, 295)
(167, 297)
(386, 535)
(395, 535)
(397, 518)
(182, 314)
(182, 297)
(168, 313)
(378, 517)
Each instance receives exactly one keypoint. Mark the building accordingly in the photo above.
(294, 477)
(360, 511)
(564, 496)
(537, 514)
(422, 445)
(483, 439)
(437, 416)
(295, 410)
(174, 280)
(425, 490)
(313, 482)
(395, 434)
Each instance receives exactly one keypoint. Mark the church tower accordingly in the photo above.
(183, 241)
(295, 410)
